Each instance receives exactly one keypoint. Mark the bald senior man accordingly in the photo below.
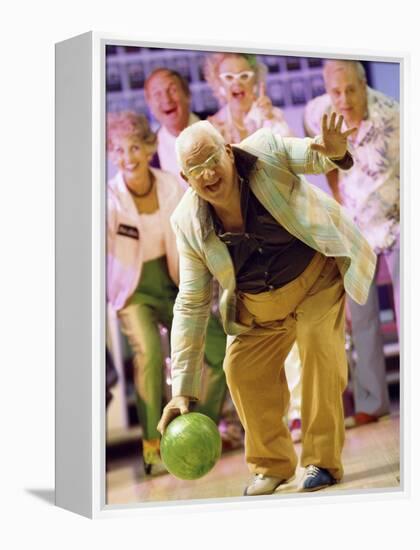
(284, 253)
(370, 194)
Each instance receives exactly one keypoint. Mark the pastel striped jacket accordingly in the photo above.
(304, 210)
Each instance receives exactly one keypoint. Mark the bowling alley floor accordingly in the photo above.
(371, 460)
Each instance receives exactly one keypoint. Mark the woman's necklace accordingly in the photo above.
(234, 122)
(142, 195)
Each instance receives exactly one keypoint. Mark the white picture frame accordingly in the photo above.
(80, 273)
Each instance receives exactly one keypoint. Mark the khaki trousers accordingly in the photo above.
(310, 309)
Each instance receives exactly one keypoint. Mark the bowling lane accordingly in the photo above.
(371, 461)
(228, 478)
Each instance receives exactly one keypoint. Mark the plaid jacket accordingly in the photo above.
(304, 210)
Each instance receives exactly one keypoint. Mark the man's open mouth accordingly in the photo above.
(214, 186)
(170, 111)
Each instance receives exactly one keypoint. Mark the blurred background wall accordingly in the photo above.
(291, 83)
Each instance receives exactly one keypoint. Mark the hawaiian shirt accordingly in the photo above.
(370, 191)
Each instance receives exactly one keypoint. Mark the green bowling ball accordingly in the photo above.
(190, 446)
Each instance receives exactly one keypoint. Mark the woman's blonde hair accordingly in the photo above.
(211, 70)
(128, 123)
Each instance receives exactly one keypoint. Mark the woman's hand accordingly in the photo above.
(263, 103)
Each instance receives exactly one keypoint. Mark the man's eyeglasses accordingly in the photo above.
(211, 162)
(243, 77)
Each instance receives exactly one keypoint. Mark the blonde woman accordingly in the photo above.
(142, 272)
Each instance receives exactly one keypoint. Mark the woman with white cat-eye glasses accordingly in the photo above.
(238, 82)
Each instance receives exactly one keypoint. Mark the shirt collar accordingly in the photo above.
(244, 164)
(244, 161)
(165, 133)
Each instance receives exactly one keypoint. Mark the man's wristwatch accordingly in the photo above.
(344, 163)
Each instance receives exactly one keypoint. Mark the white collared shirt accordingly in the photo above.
(166, 151)
(129, 243)
(154, 245)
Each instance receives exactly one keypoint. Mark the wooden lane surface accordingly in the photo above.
(371, 461)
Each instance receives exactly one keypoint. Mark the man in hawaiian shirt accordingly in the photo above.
(370, 194)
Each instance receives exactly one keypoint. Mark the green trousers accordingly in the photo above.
(152, 304)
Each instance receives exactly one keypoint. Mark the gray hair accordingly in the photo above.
(189, 133)
(358, 67)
